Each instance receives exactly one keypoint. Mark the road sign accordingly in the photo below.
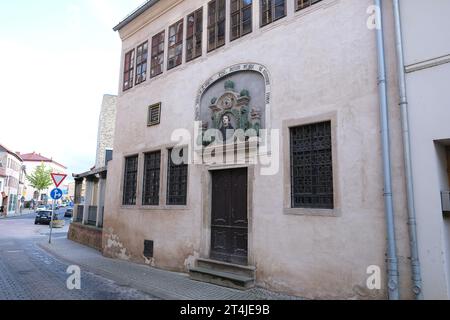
(56, 194)
(58, 178)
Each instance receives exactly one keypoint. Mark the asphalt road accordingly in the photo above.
(29, 273)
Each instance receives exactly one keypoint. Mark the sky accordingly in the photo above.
(57, 60)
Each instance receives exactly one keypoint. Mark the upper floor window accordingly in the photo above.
(216, 24)
(241, 18)
(302, 4)
(128, 73)
(175, 56)
(194, 35)
(272, 10)
(312, 166)
(130, 181)
(157, 64)
(141, 62)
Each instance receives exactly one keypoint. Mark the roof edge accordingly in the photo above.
(136, 13)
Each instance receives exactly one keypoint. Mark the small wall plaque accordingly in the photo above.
(154, 114)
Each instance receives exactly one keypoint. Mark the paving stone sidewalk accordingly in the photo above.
(159, 283)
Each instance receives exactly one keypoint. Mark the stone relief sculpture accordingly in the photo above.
(230, 112)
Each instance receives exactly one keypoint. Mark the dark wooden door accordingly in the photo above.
(229, 220)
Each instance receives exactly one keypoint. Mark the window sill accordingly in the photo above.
(312, 212)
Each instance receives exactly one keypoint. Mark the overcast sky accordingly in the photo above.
(57, 59)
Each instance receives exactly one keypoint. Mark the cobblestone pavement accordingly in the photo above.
(30, 268)
(29, 273)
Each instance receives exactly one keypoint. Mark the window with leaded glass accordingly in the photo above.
(175, 54)
(194, 35)
(177, 178)
(272, 10)
(128, 70)
(141, 62)
(312, 166)
(130, 181)
(152, 170)
(302, 4)
(157, 65)
(241, 18)
(216, 24)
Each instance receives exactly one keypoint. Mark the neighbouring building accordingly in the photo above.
(89, 187)
(31, 162)
(427, 65)
(12, 174)
(302, 211)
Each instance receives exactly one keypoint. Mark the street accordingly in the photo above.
(29, 273)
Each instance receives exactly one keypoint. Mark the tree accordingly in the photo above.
(41, 178)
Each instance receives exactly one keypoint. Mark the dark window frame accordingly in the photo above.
(158, 40)
(311, 166)
(303, 4)
(196, 37)
(270, 8)
(176, 44)
(131, 171)
(214, 24)
(128, 70)
(151, 186)
(177, 192)
(241, 7)
(141, 62)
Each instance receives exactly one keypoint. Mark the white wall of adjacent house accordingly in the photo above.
(12, 170)
(427, 55)
(30, 167)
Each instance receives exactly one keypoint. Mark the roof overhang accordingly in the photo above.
(136, 13)
(91, 173)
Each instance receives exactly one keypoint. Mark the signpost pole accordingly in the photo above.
(51, 223)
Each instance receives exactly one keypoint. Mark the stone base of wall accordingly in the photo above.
(86, 235)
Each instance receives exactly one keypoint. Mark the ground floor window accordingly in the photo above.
(312, 166)
(152, 170)
(130, 181)
(177, 178)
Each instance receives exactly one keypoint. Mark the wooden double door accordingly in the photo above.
(229, 216)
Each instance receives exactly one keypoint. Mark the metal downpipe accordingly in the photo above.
(415, 263)
(392, 260)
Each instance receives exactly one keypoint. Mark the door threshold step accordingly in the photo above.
(221, 278)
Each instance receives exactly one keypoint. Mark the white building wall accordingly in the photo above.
(427, 52)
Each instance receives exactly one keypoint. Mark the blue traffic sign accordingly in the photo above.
(56, 194)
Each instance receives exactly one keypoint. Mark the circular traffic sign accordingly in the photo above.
(56, 194)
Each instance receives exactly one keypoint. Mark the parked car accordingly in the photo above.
(43, 217)
(68, 213)
(42, 207)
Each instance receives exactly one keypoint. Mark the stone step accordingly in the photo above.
(247, 271)
(222, 278)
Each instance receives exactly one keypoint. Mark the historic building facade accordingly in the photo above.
(248, 147)
(12, 174)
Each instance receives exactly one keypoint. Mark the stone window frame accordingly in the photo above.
(144, 178)
(175, 42)
(197, 34)
(215, 24)
(272, 9)
(141, 61)
(169, 160)
(124, 173)
(162, 208)
(306, 4)
(128, 70)
(241, 7)
(287, 199)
